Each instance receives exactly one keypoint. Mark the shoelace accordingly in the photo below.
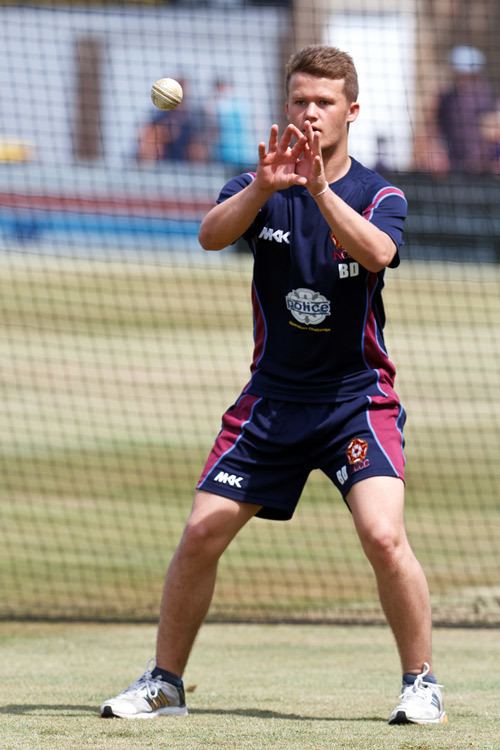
(410, 691)
(146, 681)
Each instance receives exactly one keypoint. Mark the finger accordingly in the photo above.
(298, 148)
(309, 132)
(273, 138)
(295, 179)
(315, 144)
(295, 131)
(306, 150)
(287, 136)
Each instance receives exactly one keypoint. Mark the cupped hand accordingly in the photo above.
(310, 164)
(278, 163)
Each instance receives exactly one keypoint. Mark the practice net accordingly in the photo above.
(122, 342)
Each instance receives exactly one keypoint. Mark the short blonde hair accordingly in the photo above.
(325, 62)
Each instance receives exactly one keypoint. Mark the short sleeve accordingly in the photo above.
(388, 210)
(235, 185)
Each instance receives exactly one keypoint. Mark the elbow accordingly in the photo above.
(381, 257)
(206, 244)
(207, 240)
(376, 265)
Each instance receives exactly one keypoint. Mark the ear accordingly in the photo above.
(353, 112)
(286, 111)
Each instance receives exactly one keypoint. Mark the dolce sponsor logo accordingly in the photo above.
(308, 306)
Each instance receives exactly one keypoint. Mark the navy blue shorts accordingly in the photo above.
(266, 449)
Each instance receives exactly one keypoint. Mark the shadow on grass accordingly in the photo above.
(50, 709)
(263, 714)
(256, 713)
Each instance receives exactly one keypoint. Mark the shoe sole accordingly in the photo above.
(108, 713)
(402, 718)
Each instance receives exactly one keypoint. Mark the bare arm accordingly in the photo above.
(276, 170)
(367, 244)
(227, 221)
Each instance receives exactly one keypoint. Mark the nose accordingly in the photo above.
(311, 111)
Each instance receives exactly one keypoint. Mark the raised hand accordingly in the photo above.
(277, 168)
(310, 164)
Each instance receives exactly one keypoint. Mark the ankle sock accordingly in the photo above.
(167, 676)
(409, 678)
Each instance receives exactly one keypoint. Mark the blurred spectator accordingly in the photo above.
(490, 128)
(456, 141)
(233, 141)
(177, 134)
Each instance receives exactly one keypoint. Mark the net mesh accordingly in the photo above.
(122, 342)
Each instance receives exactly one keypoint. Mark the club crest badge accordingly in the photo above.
(339, 251)
(356, 450)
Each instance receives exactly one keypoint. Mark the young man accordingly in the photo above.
(322, 229)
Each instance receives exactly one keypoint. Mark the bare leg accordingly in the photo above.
(377, 507)
(190, 580)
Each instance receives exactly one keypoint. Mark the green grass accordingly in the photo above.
(113, 379)
(294, 687)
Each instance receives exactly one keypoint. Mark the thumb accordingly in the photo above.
(297, 179)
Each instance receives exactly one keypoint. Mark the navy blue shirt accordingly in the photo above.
(318, 314)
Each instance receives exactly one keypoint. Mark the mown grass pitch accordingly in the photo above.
(257, 687)
(114, 374)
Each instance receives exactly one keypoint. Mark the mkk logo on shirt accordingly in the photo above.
(275, 235)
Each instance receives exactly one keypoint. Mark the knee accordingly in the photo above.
(202, 540)
(384, 546)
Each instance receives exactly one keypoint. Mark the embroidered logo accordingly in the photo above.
(356, 450)
(339, 251)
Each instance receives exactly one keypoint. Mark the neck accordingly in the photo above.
(336, 165)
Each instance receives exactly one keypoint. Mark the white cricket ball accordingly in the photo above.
(166, 93)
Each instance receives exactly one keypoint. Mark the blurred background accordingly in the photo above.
(122, 342)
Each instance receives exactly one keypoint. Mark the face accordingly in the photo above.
(321, 101)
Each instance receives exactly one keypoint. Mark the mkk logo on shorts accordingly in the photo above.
(231, 479)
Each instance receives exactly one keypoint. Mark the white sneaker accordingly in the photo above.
(420, 703)
(146, 698)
